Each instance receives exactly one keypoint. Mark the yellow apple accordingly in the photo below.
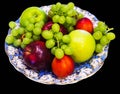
(82, 44)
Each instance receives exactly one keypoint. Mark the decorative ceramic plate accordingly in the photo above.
(81, 71)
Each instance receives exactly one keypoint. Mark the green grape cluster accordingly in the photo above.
(102, 35)
(64, 14)
(20, 36)
(29, 30)
(56, 41)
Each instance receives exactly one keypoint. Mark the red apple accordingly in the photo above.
(63, 67)
(85, 24)
(37, 56)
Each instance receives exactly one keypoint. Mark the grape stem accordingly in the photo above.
(22, 36)
(58, 44)
(109, 29)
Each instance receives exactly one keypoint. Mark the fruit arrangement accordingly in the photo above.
(58, 40)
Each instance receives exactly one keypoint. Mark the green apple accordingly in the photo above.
(82, 44)
(33, 14)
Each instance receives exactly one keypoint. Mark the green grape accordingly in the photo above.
(39, 24)
(80, 15)
(58, 5)
(102, 27)
(30, 27)
(70, 28)
(69, 20)
(64, 8)
(56, 10)
(53, 50)
(23, 45)
(96, 29)
(50, 13)
(101, 23)
(17, 42)
(68, 50)
(74, 22)
(21, 30)
(66, 39)
(53, 7)
(24, 23)
(9, 39)
(61, 19)
(71, 12)
(55, 18)
(47, 34)
(58, 35)
(50, 43)
(28, 35)
(70, 5)
(56, 27)
(98, 48)
(97, 35)
(37, 31)
(26, 41)
(32, 20)
(36, 37)
(63, 46)
(14, 32)
(104, 40)
(59, 53)
(12, 24)
(110, 36)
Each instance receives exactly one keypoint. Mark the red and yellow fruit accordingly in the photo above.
(85, 24)
(63, 67)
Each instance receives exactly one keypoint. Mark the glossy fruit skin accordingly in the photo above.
(85, 24)
(37, 56)
(47, 26)
(35, 12)
(82, 44)
(63, 67)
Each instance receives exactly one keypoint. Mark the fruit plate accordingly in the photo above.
(81, 71)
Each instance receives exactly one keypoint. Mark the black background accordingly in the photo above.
(106, 79)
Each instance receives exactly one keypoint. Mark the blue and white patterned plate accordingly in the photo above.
(81, 71)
